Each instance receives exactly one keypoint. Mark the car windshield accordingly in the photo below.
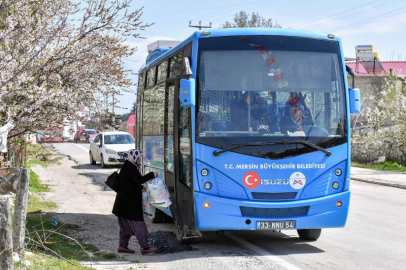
(118, 139)
(269, 89)
(91, 131)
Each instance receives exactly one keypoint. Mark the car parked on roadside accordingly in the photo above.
(85, 135)
(108, 147)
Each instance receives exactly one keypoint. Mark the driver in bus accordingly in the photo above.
(297, 113)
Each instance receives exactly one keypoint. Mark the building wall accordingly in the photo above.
(131, 130)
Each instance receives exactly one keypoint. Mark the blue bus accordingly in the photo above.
(251, 130)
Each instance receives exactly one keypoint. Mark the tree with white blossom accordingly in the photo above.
(59, 56)
(388, 118)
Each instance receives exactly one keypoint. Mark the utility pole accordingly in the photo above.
(200, 26)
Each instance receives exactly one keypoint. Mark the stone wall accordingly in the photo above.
(372, 151)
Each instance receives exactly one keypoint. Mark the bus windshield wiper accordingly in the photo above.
(306, 143)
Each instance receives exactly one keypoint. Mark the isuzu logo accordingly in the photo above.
(251, 180)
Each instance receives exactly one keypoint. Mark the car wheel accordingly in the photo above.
(87, 141)
(102, 162)
(92, 161)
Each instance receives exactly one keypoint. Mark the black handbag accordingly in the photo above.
(112, 181)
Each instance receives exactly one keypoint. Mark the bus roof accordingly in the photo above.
(243, 32)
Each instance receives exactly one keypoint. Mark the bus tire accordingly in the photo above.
(310, 234)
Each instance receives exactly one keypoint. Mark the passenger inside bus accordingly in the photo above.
(239, 112)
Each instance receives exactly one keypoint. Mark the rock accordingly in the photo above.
(27, 263)
(381, 159)
(16, 258)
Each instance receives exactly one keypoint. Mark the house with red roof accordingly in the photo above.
(397, 68)
(131, 125)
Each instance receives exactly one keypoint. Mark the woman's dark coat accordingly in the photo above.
(128, 202)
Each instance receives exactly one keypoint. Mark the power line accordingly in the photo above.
(200, 26)
(201, 18)
(184, 11)
(224, 10)
(387, 14)
(296, 26)
(352, 14)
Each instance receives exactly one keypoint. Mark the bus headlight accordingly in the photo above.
(338, 172)
(207, 185)
(204, 172)
(335, 185)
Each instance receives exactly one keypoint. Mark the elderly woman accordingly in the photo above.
(128, 204)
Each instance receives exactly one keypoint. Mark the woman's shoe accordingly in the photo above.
(125, 250)
(147, 251)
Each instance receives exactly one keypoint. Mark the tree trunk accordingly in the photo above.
(6, 243)
(20, 210)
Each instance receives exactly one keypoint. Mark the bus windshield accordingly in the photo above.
(255, 89)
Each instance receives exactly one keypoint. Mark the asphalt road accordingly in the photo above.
(374, 237)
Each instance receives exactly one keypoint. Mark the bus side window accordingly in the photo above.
(170, 166)
(184, 146)
(175, 66)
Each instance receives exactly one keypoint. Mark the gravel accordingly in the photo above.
(166, 242)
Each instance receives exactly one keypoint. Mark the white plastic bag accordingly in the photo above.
(147, 208)
(158, 194)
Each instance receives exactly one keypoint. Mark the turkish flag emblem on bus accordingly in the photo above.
(251, 180)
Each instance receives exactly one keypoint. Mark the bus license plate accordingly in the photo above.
(276, 225)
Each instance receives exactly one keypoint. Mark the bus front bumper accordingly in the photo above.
(232, 214)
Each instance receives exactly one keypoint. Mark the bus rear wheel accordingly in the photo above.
(310, 235)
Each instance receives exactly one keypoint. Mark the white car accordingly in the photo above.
(108, 148)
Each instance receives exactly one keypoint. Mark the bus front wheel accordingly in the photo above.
(311, 234)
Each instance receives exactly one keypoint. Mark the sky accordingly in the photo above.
(381, 23)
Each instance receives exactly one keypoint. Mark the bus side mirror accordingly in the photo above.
(187, 92)
(355, 101)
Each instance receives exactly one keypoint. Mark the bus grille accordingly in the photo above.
(273, 196)
(274, 212)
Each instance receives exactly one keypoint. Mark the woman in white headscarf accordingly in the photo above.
(128, 203)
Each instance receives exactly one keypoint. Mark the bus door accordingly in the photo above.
(179, 181)
(169, 146)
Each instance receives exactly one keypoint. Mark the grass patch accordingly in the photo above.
(35, 204)
(391, 166)
(35, 184)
